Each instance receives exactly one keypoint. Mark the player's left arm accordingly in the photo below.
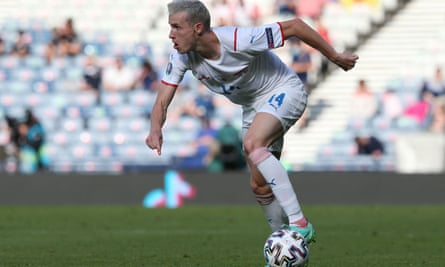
(298, 28)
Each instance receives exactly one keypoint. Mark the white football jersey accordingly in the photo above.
(246, 69)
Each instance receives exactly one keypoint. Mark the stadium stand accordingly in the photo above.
(399, 56)
(96, 132)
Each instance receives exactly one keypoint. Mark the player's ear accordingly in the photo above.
(199, 28)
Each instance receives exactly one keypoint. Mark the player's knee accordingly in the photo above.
(258, 155)
(248, 145)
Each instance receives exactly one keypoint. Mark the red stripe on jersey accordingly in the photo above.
(282, 33)
(169, 84)
(235, 37)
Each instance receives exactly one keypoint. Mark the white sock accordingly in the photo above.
(276, 176)
(272, 210)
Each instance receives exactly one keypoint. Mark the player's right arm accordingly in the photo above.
(159, 115)
(298, 28)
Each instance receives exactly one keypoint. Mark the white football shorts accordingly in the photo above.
(287, 104)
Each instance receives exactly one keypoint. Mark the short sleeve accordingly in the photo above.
(175, 69)
(260, 38)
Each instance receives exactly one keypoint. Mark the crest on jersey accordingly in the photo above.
(169, 68)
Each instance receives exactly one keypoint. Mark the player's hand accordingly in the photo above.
(154, 141)
(345, 60)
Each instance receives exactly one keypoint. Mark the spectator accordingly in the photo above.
(147, 78)
(301, 59)
(206, 146)
(118, 77)
(28, 137)
(324, 33)
(92, 74)
(418, 113)
(69, 42)
(253, 11)
(310, 8)
(287, 7)
(438, 120)
(391, 104)
(241, 17)
(436, 85)
(369, 145)
(51, 50)
(302, 65)
(36, 138)
(65, 42)
(2, 47)
(201, 105)
(21, 47)
(364, 103)
(223, 13)
(230, 143)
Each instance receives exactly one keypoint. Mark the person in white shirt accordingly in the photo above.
(237, 63)
(118, 77)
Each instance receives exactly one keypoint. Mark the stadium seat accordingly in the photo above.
(112, 99)
(99, 166)
(85, 98)
(141, 98)
(8, 99)
(124, 110)
(343, 137)
(72, 124)
(34, 100)
(100, 124)
(337, 150)
(135, 124)
(47, 112)
(18, 86)
(34, 62)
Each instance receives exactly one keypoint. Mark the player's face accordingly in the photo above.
(182, 33)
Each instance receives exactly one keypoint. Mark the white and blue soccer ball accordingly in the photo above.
(286, 248)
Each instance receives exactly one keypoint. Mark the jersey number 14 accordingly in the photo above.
(276, 100)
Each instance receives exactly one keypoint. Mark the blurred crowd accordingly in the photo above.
(396, 109)
(98, 69)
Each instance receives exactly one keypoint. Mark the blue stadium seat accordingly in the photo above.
(94, 165)
(18, 86)
(8, 99)
(142, 98)
(138, 154)
(97, 111)
(47, 112)
(72, 124)
(81, 151)
(34, 100)
(105, 151)
(112, 99)
(85, 98)
(381, 123)
(134, 124)
(34, 62)
(124, 110)
(333, 150)
(100, 124)
(343, 137)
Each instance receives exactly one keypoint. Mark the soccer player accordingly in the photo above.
(237, 63)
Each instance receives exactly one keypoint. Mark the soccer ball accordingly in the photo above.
(286, 248)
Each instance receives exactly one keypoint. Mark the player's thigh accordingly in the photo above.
(263, 131)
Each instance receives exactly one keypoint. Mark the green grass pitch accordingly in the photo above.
(226, 236)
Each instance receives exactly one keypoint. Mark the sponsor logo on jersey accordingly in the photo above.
(269, 36)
